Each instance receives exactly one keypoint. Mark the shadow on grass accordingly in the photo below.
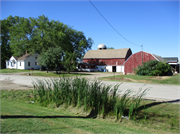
(93, 114)
(156, 103)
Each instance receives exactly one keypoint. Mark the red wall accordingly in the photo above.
(135, 60)
(105, 61)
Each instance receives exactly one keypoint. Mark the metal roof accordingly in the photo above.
(106, 53)
(171, 59)
(159, 58)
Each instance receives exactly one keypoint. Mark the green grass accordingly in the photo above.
(174, 80)
(95, 95)
(54, 74)
(161, 118)
(14, 70)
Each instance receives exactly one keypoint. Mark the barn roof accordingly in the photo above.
(107, 53)
(159, 58)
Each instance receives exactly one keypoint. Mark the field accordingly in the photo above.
(21, 113)
(174, 80)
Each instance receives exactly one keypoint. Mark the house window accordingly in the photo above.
(19, 63)
(8, 63)
(35, 63)
(13, 63)
(36, 57)
(28, 63)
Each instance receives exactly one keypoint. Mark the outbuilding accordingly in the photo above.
(138, 58)
(110, 60)
(173, 62)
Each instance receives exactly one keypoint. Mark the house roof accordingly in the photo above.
(159, 58)
(106, 53)
(15, 57)
(25, 56)
(171, 59)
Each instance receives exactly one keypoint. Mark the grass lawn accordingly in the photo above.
(14, 70)
(54, 74)
(18, 115)
(175, 79)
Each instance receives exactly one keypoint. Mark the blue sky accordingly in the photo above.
(153, 24)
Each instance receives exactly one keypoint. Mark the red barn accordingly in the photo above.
(110, 60)
(136, 59)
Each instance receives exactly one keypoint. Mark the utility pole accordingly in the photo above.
(142, 53)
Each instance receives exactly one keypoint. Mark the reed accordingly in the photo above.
(80, 92)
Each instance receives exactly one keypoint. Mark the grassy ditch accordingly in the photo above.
(174, 80)
(20, 113)
(100, 98)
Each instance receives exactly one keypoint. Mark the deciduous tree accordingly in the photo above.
(69, 61)
(51, 58)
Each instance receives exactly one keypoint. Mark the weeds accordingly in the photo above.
(80, 92)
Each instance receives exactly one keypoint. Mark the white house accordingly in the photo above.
(26, 62)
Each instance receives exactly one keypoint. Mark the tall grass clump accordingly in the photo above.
(79, 92)
(121, 104)
(136, 102)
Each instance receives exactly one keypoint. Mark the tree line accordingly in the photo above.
(55, 42)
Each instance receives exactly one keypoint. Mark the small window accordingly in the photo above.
(36, 57)
(35, 63)
(19, 63)
(8, 63)
(11, 64)
(28, 63)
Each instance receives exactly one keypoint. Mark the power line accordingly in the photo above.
(112, 26)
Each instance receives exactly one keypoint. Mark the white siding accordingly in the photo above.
(109, 68)
(7, 66)
(32, 61)
(119, 68)
(22, 65)
(12, 63)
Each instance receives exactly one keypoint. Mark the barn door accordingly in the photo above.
(114, 68)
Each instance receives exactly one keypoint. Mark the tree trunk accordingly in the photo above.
(68, 70)
(47, 70)
(56, 71)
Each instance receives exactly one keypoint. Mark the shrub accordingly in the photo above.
(154, 68)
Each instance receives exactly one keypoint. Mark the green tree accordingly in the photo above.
(20, 36)
(51, 58)
(69, 61)
(6, 52)
(36, 35)
(154, 68)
